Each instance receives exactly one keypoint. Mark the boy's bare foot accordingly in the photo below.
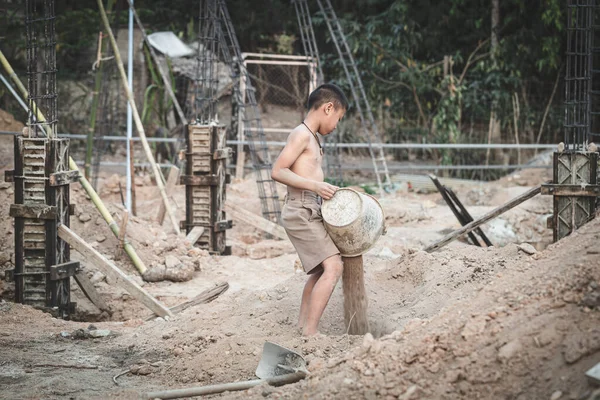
(315, 334)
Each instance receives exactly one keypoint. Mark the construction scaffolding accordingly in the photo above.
(354, 80)
(309, 44)
(249, 123)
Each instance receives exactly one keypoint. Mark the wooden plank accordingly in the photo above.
(571, 190)
(199, 180)
(63, 178)
(487, 217)
(35, 211)
(194, 235)
(256, 221)
(171, 183)
(110, 269)
(87, 287)
(64, 270)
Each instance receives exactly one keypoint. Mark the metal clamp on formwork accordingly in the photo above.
(64, 270)
(63, 178)
(575, 189)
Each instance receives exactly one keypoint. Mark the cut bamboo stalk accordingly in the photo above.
(136, 118)
(171, 183)
(122, 231)
(137, 262)
(109, 269)
(163, 74)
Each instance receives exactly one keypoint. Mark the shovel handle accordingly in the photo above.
(224, 387)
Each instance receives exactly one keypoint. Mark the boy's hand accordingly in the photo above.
(325, 190)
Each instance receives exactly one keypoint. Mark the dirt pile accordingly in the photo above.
(9, 123)
(531, 332)
(464, 322)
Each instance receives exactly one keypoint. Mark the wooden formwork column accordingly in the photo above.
(575, 189)
(42, 261)
(205, 180)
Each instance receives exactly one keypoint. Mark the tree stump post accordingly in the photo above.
(355, 296)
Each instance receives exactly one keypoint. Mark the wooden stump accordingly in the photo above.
(355, 296)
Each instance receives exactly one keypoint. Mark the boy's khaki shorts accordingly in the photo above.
(303, 222)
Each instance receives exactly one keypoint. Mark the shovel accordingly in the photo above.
(278, 366)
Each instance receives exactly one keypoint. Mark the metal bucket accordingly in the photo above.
(354, 221)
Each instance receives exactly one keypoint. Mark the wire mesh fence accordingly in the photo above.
(280, 81)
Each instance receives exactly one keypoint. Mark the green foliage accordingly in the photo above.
(368, 189)
(399, 47)
(448, 116)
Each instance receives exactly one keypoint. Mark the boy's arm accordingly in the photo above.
(281, 172)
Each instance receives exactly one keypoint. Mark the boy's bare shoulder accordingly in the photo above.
(298, 135)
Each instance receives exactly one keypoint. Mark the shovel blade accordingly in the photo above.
(277, 360)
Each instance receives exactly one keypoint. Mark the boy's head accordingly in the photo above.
(330, 104)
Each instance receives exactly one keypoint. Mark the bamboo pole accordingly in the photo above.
(163, 74)
(137, 262)
(138, 121)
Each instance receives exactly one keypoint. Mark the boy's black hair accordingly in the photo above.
(328, 92)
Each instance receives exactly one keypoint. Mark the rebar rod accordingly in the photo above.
(41, 66)
(578, 74)
(207, 63)
(253, 132)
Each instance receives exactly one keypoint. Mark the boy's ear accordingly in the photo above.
(328, 107)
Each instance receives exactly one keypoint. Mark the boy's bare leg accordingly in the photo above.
(321, 292)
(308, 288)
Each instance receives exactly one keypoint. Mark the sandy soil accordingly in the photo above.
(464, 322)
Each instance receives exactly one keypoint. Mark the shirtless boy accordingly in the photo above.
(299, 167)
